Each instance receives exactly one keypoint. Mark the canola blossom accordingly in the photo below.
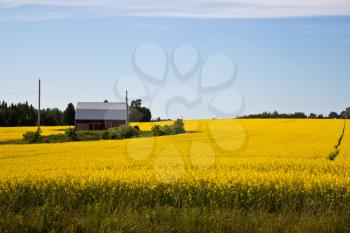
(15, 133)
(268, 164)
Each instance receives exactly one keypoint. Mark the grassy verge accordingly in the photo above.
(95, 218)
(179, 207)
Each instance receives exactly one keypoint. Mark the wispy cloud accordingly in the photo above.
(42, 9)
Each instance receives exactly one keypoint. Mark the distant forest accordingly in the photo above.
(300, 115)
(23, 114)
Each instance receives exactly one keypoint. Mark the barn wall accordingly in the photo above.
(97, 124)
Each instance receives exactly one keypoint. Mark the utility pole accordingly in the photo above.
(39, 97)
(127, 108)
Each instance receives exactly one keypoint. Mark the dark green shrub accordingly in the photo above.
(167, 130)
(71, 134)
(157, 130)
(178, 127)
(113, 133)
(105, 135)
(55, 138)
(123, 131)
(89, 135)
(32, 137)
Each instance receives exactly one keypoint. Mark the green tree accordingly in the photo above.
(23, 114)
(333, 115)
(312, 116)
(69, 115)
(137, 113)
(345, 114)
(178, 126)
(3, 108)
(55, 116)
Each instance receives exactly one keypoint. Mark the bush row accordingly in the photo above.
(121, 132)
(176, 128)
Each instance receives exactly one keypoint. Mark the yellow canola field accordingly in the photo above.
(16, 133)
(220, 162)
(344, 149)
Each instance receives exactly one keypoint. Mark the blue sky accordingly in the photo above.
(298, 62)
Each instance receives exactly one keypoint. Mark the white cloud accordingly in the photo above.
(176, 8)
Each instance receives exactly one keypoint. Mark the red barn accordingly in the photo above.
(100, 115)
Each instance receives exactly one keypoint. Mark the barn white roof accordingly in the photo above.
(100, 111)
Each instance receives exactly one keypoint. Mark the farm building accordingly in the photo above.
(100, 115)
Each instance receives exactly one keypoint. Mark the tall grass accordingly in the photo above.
(95, 218)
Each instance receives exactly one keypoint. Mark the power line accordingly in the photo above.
(53, 82)
(75, 87)
(49, 94)
(17, 78)
(18, 93)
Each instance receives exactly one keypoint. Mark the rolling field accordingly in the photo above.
(15, 133)
(224, 175)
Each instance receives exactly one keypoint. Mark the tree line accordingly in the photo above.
(24, 114)
(300, 115)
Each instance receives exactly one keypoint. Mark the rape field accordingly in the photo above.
(15, 133)
(224, 175)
